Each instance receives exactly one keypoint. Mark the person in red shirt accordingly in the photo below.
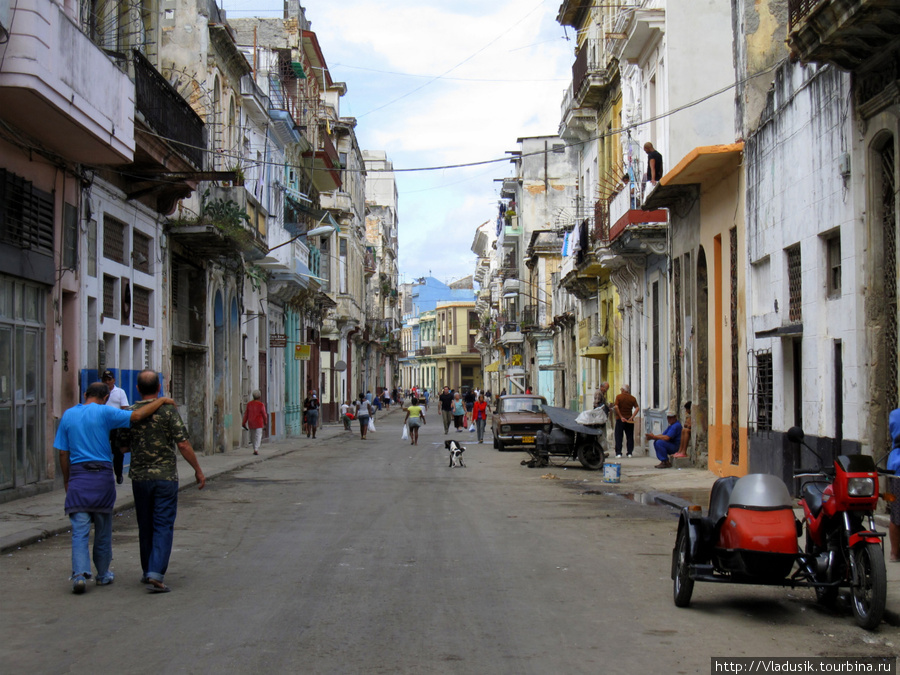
(479, 414)
(255, 419)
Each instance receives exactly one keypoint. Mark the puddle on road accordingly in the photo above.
(698, 496)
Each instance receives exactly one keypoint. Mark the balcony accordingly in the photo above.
(63, 90)
(851, 34)
(326, 163)
(591, 75)
(625, 212)
(231, 222)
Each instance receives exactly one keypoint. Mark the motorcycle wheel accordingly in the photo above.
(590, 455)
(683, 584)
(870, 593)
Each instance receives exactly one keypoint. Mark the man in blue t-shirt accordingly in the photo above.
(85, 459)
(668, 442)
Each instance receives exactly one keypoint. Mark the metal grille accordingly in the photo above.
(141, 252)
(761, 389)
(113, 239)
(148, 353)
(26, 214)
(735, 401)
(109, 296)
(654, 318)
(178, 368)
(141, 305)
(889, 239)
(798, 10)
(794, 285)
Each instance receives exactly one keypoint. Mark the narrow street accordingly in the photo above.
(351, 556)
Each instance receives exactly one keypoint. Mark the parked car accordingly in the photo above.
(517, 419)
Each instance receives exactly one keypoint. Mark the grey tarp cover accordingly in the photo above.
(565, 418)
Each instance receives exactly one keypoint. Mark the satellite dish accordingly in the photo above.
(340, 366)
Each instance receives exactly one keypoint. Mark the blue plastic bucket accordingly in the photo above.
(612, 473)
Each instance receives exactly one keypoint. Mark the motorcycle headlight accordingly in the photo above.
(505, 428)
(860, 487)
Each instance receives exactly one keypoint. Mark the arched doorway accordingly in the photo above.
(700, 408)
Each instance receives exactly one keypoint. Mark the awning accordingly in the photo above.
(701, 165)
(492, 367)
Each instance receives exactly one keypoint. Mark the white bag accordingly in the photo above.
(404, 436)
(371, 424)
(595, 416)
(472, 427)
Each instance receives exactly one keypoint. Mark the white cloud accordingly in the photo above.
(456, 119)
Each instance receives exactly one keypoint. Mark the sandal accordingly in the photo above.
(157, 586)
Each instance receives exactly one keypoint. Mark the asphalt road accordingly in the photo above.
(351, 556)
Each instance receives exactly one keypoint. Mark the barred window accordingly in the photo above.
(110, 304)
(140, 252)
(113, 239)
(795, 288)
(141, 298)
(764, 391)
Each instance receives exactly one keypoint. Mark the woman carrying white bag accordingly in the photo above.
(415, 416)
(364, 412)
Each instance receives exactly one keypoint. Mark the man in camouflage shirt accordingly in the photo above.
(154, 479)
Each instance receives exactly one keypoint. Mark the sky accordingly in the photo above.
(440, 82)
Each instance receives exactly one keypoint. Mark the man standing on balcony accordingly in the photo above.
(654, 163)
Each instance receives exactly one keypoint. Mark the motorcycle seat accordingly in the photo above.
(719, 497)
(812, 495)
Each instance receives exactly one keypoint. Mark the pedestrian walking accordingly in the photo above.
(627, 408)
(446, 401)
(459, 412)
(364, 410)
(85, 460)
(255, 419)
(469, 399)
(346, 411)
(311, 413)
(117, 399)
(415, 417)
(154, 479)
(479, 414)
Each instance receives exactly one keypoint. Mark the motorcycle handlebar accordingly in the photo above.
(810, 473)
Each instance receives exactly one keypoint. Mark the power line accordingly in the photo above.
(452, 79)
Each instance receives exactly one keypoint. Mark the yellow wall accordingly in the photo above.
(718, 214)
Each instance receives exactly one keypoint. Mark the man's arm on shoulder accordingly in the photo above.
(187, 451)
(146, 410)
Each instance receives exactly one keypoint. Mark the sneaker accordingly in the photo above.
(619, 454)
(79, 585)
(106, 580)
(629, 455)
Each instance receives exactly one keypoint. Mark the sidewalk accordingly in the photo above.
(31, 519)
(26, 521)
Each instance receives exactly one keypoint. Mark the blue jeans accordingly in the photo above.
(81, 533)
(664, 449)
(155, 505)
(479, 427)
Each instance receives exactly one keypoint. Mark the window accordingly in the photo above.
(140, 252)
(141, 301)
(113, 239)
(795, 299)
(70, 237)
(26, 214)
(92, 249)
(833, 265)
(473, 321)
(110, 296)
(342, 265)
(764, 391)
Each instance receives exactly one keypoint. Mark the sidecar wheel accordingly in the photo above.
(590, 455)
(870, 594)
(684, 585)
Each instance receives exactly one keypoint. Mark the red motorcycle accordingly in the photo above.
(750, 536)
